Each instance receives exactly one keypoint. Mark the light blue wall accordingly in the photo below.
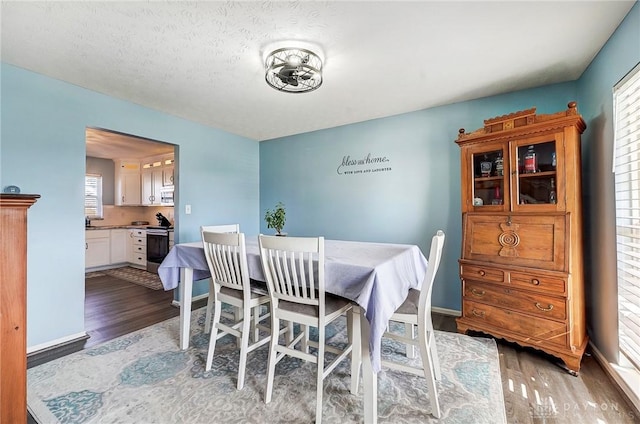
(595, 87)
(408, 204)
(43, 152)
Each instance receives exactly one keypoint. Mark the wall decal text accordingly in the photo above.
(366, 165)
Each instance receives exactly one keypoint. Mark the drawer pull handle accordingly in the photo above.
(482, 273)
(544, 309)
(535, 282)
(478, 313)
(477, 292)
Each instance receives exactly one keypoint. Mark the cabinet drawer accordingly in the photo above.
(139, 241)
(539, 282)
(528, 302)
(138, 249)
(94, 234)
(139, 259)
(535, 241)
(139, 233)
(532, 328)
(480, 273)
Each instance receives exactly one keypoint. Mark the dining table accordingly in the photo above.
(376, 276)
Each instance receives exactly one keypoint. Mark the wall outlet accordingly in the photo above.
(187, 209)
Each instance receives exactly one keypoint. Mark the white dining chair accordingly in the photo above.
(227, 260)
(294, 270)
(416, 312)
(224, 228)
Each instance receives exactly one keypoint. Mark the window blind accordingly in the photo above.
(627, 194)
(93, 196)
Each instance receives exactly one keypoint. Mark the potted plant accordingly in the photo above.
(276, 218)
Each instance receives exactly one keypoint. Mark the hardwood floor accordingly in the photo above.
(536, 390)
(115, 307)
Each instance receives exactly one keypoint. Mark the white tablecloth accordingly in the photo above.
(377, 276)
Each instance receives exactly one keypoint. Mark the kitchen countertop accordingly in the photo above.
(115, 227)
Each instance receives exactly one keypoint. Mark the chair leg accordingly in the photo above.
(255, 332)
(244, 345)
(305, 339)
(289, 336)
(320, 372)
(427, 365)
(273, 354)
(353, 330)
(410, 334)
(210, 302)
(435, 360)
(214, 333)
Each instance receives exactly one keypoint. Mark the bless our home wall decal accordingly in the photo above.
(366, 165)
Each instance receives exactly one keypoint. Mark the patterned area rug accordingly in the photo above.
(132, 275)
(144, 378)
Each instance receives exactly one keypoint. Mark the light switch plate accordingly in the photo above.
(187, 209)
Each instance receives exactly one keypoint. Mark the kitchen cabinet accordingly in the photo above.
(521, 266)
(167, 176)
(97, 248)
(151, 186)
(118, 246)
(137, 248)
(13, 306)
(128, 184)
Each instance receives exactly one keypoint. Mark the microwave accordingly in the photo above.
(166, 196)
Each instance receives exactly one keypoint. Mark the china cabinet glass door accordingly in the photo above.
(490, 190)
(535, 165)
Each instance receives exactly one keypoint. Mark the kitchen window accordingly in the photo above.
(93, 196)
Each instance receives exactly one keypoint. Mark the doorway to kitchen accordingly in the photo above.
(129, 182)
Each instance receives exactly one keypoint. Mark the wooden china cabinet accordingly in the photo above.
(13, 306)
(521, 266)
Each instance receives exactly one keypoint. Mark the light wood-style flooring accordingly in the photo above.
(536, 390)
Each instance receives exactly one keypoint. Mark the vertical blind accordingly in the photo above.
(93, 196)
(627, 193)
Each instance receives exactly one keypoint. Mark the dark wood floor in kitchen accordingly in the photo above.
(532, 384)
(115, 307)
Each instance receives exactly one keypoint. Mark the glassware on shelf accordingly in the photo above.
(499, 165)
(497, 196)
(485, 167)
(552, 192)
(530, 161)
(553, 160)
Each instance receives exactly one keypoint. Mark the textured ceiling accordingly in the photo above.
(203, 60)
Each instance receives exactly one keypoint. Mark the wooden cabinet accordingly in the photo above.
(118, 241)
(151, 186)
(157, 174)
(128, 185)
(13, 306)
(97, 248)
(137, 248)
(522, 262)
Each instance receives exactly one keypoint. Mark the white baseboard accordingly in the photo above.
(627, 378)
(193, 299)
(445, 311)
(62, 340)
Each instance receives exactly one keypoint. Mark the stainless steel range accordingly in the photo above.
(157, 246)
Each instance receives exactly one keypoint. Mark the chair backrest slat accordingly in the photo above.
(294, 267)
(226, 258)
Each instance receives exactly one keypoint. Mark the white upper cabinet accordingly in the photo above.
(128, 190)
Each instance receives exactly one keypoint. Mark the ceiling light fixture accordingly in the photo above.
(293, 70)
